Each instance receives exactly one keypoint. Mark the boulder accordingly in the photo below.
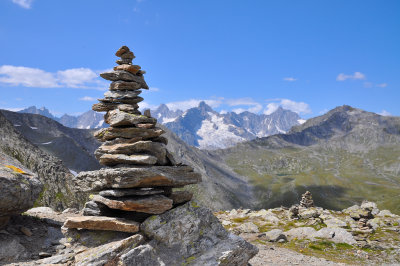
(102, 223)
(338, 235)
(335, 222)
(274, 235)
(248, 227)
(300, 233)
(307, 213)
(131, 177)
(386, 213)
(11, 249)
(190, 234)
(370, 206)
(108, 253)
(154, 204)
(19, 188)
(356, 212)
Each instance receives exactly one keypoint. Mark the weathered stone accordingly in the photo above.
(105, 254)
(119, 118)
(300, 233)
(356, 212)
(155, 149)
(19, 188)
(247, 227)
(104, 107)
(139, 159)
(127, 133)
(145, 125)
(307, 213)
(121, 141)
(368, 205)
(273, 235)
(123, 49)
(147, 113)
(119, 95)
(124, 76)
(190, 233)
(102, 223)
(122, 100)
(180, 197)
(386, 213)
(123, 61)
(161, 139)
(335, 222)
(130, 68)
(124, 85)
(11, 249)
(338, 235)
(306, 200)
(130, 177)
(154, 204)
(128, 55)
(131, 192)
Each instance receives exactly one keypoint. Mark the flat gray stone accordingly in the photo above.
(135, 159)
(274, 235)
(128, 133)
(120, 75)
(131, 177)
(130, 192)
(117, 118)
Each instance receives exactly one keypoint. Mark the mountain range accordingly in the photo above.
(200, 126)
(342, 157)
(87, 120)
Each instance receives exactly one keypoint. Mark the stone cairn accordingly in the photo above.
(306, 200)
(140, 173)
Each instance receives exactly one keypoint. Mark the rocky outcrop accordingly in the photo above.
(19, 188)
(56, 178)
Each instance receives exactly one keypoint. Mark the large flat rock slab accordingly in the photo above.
(135, 159)
(127, 133)
(155, 204)
(102, 223)
(131, 177)
(121, 75)
(119, 118)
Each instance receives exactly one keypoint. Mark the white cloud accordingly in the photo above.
(382, 85)
(184, 105)
(145, 105)
(23, 3)
(88, 99)
(154, 89)
(385, 113)
(290, 79)
(271, 107)
(83, 78)
(76, 77)
(355, 76)
(297, 107)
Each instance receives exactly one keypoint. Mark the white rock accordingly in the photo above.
(300, 233)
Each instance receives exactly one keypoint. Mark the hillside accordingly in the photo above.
(342, 157)
(74, 146)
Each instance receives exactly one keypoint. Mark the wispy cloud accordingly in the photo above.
(290, 79)
(88, 99)
(355, 76)
(297, 107)
(385, 113)
(23, 3)
(382, 85)
(83, 78)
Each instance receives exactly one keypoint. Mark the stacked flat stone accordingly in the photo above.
(140, 173)
(306, 200)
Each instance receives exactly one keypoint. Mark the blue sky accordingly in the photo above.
(307, 56)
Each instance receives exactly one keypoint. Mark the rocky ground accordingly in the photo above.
(315, 236)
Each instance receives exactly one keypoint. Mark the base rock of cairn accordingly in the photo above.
(141, 174)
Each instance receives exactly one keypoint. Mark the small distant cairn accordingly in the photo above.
(140, 172)
(306, 200)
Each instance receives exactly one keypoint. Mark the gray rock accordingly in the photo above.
(130, 177)
(130, 192)
(11, 249)
(179, 197)
(248, 227)
(386, 213)
(106, 253)
(274, 235)
(19, 188)
(124, 85)
(143, 255)
(135, 159)
(338, 235)
(192, 234)
(119, 118)
(300, 233)
(335, 222)
(307, 213)
(127, 133)
(122, 100)
(370, 206)
(124, 76)
(122, 94)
